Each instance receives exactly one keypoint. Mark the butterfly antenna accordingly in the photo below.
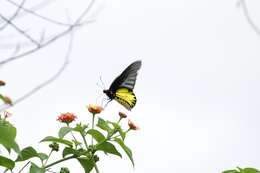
(100, 95)
(103, 84)
(99, 85)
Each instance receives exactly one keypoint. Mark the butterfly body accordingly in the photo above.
(122, 87)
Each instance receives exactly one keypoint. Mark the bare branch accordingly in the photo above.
(19, 30)
(38, 15)
(68, 30)
(243, 4)
(27, 44)
(19, 7)
(38, 6)
(45, 83)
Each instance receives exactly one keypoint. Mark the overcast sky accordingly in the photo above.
(198, 89)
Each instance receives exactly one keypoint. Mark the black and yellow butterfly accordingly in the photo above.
(122, 87)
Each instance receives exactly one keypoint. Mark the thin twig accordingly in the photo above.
(248, 17)
(20, 30)
(40, 16)
(68, 30)
(38, 6)
(19, 7)
(47, 82)
(28, 44)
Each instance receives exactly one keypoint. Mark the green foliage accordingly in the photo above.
(107, 147)
(104, 125)
(64, 170)
(8, 135)
(240, 170)
(7, 163)
(58, 140)
(75, 145)
(64, 131)
(126, 149)
(28, 153)
(98, 136)
(36, 169)
(87, 164)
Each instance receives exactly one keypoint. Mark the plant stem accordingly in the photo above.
(93, 121)
(73, 136)
(119, 120)
(59, 161)
(47, 158)
(24, 167)
(84, 139)
(96, 168)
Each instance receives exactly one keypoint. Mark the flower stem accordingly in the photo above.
(73, 136)
(96, 168)
(24, 167)
(59, 161)
(47, 158)
(93, 121)
(119, 120)
(85, 141)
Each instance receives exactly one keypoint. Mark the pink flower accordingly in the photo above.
(132, 126)
(66, 117)
(95, 109)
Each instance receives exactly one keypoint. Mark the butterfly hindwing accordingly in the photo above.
(127, 78)
(125, 97)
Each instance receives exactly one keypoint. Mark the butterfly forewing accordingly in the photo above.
(127, 78)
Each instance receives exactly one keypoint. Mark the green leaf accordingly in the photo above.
(7, 163)
(58, 140)
(98, 136)
(35, 169)
(245, 170)
(8, 135)
(42, 156)
(68, 151)
(230, 171)
(80, 128)
(26, 154)
(104, 125)
(119, 129)
(126, 149)
(250, 170)
(64, 131)
(87, 164)
(2, 98)
(108, 148)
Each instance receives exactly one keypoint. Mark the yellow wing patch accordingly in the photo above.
(126, 98)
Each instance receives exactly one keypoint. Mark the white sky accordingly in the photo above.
(198, 89)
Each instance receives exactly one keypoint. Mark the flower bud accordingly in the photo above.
(132, 126)
(2, 83)
(96, 158)
(64, 170)
(7, 100)
(122, 115)
(54, 146)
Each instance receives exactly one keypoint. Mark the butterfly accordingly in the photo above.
(122, 87)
